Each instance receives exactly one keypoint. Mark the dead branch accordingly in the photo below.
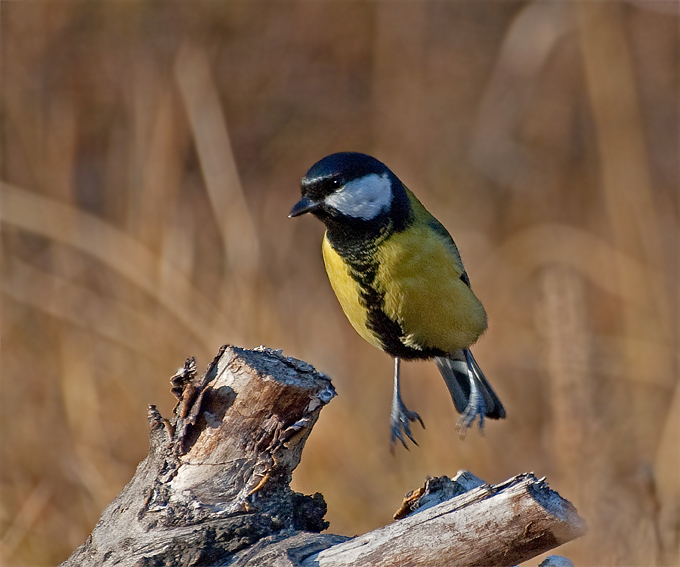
(214, 488)
(500, 525)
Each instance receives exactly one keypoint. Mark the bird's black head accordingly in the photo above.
(354, 189)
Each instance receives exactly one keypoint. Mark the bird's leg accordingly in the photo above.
(400, 416)
(476, 405)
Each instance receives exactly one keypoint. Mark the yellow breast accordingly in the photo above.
(423, 292)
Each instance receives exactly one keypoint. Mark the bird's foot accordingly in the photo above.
(475, 408)
(476, 405)
(400, 423)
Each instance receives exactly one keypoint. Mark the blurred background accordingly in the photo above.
(150, 155)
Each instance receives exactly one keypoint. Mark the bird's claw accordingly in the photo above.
(400, 423)
(476, 405)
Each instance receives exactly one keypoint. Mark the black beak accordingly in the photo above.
(304, 205)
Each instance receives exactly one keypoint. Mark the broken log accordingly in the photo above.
(464, 522)
(214, 488)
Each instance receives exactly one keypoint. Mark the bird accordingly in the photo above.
(400, 281)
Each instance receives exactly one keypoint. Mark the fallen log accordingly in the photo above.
(464, 522)
(214, 488)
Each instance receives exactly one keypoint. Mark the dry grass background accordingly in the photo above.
(150, 155)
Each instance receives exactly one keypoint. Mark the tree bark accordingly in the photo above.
(500, 525)
(214, 488)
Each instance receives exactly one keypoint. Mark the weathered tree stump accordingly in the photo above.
(214, 488)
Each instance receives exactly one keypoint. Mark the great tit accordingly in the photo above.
(400, 280)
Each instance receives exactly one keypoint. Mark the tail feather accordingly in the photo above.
(459, 375)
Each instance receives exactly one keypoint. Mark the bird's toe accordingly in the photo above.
(474, 409)
(400, 424)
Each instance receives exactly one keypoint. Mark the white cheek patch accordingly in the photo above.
(363, 198)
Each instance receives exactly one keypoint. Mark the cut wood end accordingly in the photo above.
(254, 407)
(570, 525)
